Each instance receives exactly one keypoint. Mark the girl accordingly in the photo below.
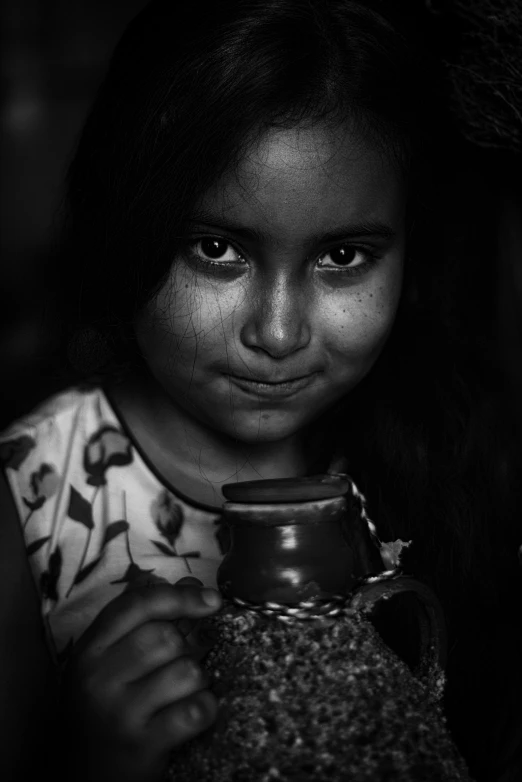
(252, 284)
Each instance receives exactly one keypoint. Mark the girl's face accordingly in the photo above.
(288, 287)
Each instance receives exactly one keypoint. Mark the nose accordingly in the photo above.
(278, 320)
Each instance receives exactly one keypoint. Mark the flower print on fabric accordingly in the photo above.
(14, 452)
(44, 483)
(168, 517)
(108, 447)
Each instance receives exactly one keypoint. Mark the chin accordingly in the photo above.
(260, 427)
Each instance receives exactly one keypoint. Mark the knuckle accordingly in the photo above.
(138, 599)
(143, 598)
(187, 675)
(169, 636)
(154, 639)
(191, 716)
(191, 671)
(144, 639)
(202, 708)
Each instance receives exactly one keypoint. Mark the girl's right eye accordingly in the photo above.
(214, 250)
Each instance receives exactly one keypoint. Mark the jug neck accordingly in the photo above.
(332, 509)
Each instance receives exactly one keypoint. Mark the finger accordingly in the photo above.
(187, 627)
(164, 686)
(145, 649)
(201, 638)
(183, 720)
(145, 580)
(129, 610)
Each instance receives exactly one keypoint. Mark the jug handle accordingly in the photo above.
(432, 624)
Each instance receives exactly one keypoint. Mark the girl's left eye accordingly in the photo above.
(346, 258)
(212, 249)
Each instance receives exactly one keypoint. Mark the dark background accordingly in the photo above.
(54, 54)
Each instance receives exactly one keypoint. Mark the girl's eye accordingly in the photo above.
(212, 249)
(346, 258)
(218, 251)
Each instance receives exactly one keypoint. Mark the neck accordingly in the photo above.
(195, 459)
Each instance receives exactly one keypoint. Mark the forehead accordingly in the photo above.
(306, 179)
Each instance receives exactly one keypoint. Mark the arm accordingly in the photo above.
(28, 687)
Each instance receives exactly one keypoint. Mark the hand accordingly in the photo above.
(133, 689)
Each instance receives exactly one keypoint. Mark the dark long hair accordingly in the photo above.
(184, 95)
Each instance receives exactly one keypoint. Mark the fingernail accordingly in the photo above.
(211, 598)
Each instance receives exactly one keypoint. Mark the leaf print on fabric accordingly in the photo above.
(49, 578)
(170, 553)
(84, 572)
(80, 509)
(134, 576)
(14, 452)
(108, 447)
(36, 545)
(114, 529)
(164, 549)
(44, 483)
(168, 517)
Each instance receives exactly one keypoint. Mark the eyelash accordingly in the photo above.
(370, 257)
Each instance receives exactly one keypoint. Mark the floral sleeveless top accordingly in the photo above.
(96, 518)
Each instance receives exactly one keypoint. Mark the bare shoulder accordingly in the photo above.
(27, 677)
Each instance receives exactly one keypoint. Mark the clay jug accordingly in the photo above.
(309, 688)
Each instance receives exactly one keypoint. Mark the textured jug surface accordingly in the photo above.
(301, 703)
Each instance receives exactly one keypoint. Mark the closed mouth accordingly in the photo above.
(271, 388)
(270, 382)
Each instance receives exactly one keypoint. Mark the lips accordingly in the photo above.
(272, 389)
(271, 382)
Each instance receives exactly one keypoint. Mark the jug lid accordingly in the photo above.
(313, 487)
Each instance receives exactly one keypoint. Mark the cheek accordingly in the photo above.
(359, 322)
(186, 318)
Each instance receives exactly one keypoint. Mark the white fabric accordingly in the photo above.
(95, 517)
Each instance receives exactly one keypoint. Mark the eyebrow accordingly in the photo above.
(366, 229)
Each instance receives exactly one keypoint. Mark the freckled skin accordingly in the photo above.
(279, 315)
